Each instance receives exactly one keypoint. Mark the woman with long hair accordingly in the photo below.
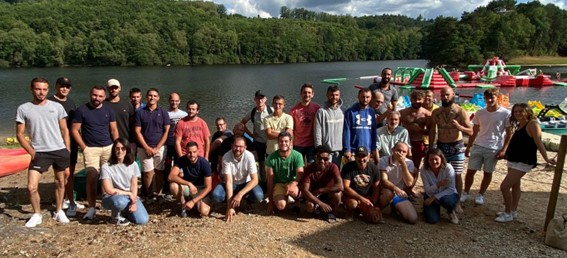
(120, 184)
(521, 153)
(438, 178)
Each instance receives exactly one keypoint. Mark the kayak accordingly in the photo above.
(12, 152)
(13, 164)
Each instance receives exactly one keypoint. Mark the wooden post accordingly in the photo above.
(556, 182)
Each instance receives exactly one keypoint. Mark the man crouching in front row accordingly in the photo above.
(190, 181)
(361, 180)
(322, 185)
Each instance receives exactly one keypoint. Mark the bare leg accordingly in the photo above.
(486, 179)
(92, 178)
(469, 180)
(147, 179)
(510, 181)
(159, 180)
(33, 181)
(70, 184)
(59, 189)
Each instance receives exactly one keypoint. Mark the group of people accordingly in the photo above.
(367, 157)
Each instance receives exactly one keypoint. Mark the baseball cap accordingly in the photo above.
(113, 82)
(259, 94)
(361, 151)
(63, 81)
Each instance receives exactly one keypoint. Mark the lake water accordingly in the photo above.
(226, 90)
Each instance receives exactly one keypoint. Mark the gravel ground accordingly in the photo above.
(284, 235)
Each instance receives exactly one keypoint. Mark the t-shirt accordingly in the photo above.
(214, 154)
(239, 169)
(95, 124)
(394, 171)
(258, 125)
(389, 95)
(120, 175)
(69, 106)
(284, 168)
(174, 117)
(303, 120)
(42, 121)
(277, 124)
(196, 131)
(492, 127)
(152, 123)
(194, 173)
(124, 112)
(385, 141)
(361, 180)
(320, 178)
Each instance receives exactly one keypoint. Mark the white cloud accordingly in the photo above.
(412, 8)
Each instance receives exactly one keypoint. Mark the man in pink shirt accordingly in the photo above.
(192, 129)
(303, 119)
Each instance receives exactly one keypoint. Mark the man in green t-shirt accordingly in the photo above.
(284, 168)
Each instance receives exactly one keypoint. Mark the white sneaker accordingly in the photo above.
(120, 221)
(464, 197)
(479, 199)
(35, 220)
(453, 217)
(504, 217)
(514, 214)
(65, 204)
(72, 210)
(60, 217)
(91, 213)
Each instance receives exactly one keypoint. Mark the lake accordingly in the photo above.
(227, 90)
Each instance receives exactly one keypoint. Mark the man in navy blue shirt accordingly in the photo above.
(97, 125)
(152, 127)
(190, 181)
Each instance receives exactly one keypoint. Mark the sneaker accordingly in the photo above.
(91, 213)
(453, 217)
(35, 220)
(464, 197)
(479, 199)
(65, 204)
(331, 218)
(504, 217)
(183, 213)
(61, 217)
(72, 210)
(120, 221)
(514, 214)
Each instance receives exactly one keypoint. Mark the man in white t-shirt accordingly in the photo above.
(240, 179)
(49, 146)
(485, 144)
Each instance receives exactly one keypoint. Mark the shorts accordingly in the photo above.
(397, 199)
(96, 156)
(187, 192)
(523, 167)
(418, 150)
(454, 151)
(149, 163)
(281, 189)
(482, 157)
(260, 148)
(41, 162)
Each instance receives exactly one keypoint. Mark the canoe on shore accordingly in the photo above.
(13, 161)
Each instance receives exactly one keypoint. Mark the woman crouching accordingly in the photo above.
(120, 184)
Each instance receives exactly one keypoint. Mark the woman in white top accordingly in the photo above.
(438, 179)
(120, 184)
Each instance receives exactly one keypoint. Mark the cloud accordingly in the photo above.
(412, 8)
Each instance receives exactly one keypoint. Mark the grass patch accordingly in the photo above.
(538, 60)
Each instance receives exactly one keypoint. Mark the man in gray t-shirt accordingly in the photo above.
(49, 146)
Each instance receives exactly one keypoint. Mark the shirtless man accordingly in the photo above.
(448, 122)
(414, 119)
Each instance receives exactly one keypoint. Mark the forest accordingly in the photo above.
(48, 33)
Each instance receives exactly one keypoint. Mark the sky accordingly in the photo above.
(412, 8)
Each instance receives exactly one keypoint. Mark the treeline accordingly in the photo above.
(502, 28)
(139, 32)
(46, 33)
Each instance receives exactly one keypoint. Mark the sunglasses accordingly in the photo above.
(323, 158)
(120, 148)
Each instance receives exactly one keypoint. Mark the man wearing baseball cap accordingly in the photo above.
(361, 181)
(123, 110)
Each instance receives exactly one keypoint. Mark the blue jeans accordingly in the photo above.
(337, 158)
(119, 203)
(255, 195)
(432, 212)
(308, 152)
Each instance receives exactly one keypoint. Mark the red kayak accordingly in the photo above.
(13, 161)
